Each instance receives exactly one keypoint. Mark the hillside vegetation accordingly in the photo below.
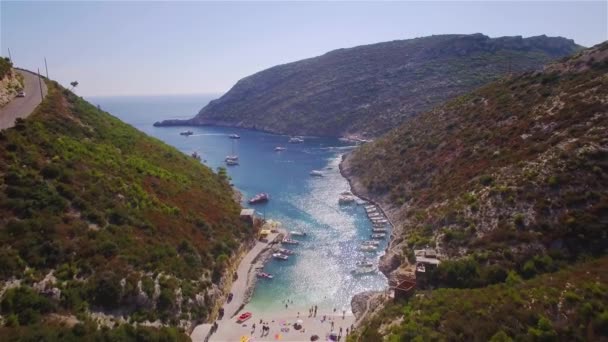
(570, 305)
(508, 181)
(366, 90)
(513, 170)
(96, 217)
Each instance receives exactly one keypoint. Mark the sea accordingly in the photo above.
(320, 273)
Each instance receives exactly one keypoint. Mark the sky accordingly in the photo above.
(152, 48)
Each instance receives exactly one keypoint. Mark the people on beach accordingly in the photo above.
(343, 314)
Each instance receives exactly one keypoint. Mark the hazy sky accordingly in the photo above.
(127, 48)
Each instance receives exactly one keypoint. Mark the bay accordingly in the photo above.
(320, 271)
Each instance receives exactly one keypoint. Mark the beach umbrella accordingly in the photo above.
(277, 336)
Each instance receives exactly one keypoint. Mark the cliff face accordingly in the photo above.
(96, 218)
(508, 173)
(366, 90)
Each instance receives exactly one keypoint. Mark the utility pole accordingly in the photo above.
(9, 55)
(40, 85)
(47, 69)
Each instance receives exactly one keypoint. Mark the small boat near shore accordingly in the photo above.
(379, 230)
(286, 251)
(368, 248)
(297, 233)
(234, 136)
(259, 198)
(265, 275)
(346, 199)
(378, 236)
(243, 317)
(378, 221)
(364, 263)
(232, 162)
(316, 173)
(279, 148)
(186, 133)
(288, 241)
(371, 242)
(280, 256)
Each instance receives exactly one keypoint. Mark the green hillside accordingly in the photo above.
(367, 90)
(116, 221)
(570, 305)
(508, 181)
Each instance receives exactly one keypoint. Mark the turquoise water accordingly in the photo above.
(320, 272)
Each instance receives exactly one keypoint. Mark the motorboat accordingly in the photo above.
(379, 230)
(378, 236)
(232, 157)
(346, 193)
(372, 210)
(363, 270)
(346, 199)
(259, 198)
(368, 248)
(379, 220)
(286, 251)
(280, 256)
(316, 173)
(186, 133)
(371, 242)
(232, 162)
(243, 317)
(234, 136)
(364, 263)
(279, 148)
(265, 275)
(369, 207)
(287, 241)
(374, 215)
(364, 267)
(298, 233)
(295, 140)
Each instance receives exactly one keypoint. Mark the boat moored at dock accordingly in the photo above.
(259, 198)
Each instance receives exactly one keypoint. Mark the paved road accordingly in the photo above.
(21, 107)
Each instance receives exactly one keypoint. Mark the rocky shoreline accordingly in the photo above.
(392, 258)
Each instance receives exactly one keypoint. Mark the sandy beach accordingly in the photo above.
(280, 323)
(281, 326)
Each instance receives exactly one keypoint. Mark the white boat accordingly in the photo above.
(265, 275)
(234, 136)
(370, 207)
(373, 210)
(287, 241)
(363, 270)
(379, 221)
(297, 233)
(368, 248)
(186, 133)
(295, 140)
(316, 173)
(371, 242)
(279, 148)
(378, 236)
(286, 251)
(232, 162)
(346, 193)
(364, 263)
(375, 215)
(346, 199)
(364, 267)
(379, 230)
(280, 256)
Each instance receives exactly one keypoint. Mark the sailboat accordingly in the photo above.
(232, 159)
